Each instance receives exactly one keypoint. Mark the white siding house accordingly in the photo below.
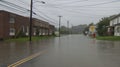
(115, 22)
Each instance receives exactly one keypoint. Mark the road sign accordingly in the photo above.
(92, 29)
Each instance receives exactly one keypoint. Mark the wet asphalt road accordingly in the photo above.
(66, 51)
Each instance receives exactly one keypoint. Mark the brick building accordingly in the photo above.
(14, 25)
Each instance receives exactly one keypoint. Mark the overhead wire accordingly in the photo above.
(42, 14)
(20, 8)
(52, 5)
(95, 4)
(70, 2)
(12, 4)
(73, 11)
(86, 5)
(12, 8)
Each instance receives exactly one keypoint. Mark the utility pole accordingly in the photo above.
(59, 24)
(68, 27)
(30, 25)
(31, 11)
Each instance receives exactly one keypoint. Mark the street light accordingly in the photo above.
(30, 25)
(39, 2)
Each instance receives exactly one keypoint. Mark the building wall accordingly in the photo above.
(117, 31)
(115, 21)
(116, 24)
(20, 24)
(4, 24)
(1, 25)
(51, 30)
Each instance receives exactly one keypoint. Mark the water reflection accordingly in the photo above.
(108, 46)
(105, 45)
(77, 51)
(109, 53)
(11, 52)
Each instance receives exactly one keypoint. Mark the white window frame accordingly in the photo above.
(27, 32)
(12, 32)
(111, 23)
(12, 19)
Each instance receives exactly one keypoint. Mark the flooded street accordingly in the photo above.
(66, 51)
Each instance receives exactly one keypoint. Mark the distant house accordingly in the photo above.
(115, 25)
(14, 25)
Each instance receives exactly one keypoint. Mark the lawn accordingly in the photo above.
(24, 39)
(110, 38)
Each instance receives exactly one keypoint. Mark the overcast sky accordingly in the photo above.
(75, 11)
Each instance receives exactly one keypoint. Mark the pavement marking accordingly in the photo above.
(26, 59)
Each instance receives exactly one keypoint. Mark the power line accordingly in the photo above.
(66, 9)
(96, 4)
(71, 2)
(45, 15)
(74, 11)
(12, 8)
(25, 11)
(12, 4)
(71, 10)
(16, 6)
(41, 13)
(57, 5)
(20, 10)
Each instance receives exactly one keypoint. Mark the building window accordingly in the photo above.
(114, 21)
(12, 19)
(12, 31)
(34, 31)
(111, 23)
(27, 32)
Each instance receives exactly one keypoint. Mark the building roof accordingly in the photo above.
(114, 16)
(13, 13)
(36, 19)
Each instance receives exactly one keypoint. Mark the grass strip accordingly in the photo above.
(24, 39)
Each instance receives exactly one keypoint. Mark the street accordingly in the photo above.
(66, 51)
(59, 33)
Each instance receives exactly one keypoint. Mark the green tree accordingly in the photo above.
(102, 26)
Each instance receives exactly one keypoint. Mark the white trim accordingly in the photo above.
(26, 34)
(12, 31)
